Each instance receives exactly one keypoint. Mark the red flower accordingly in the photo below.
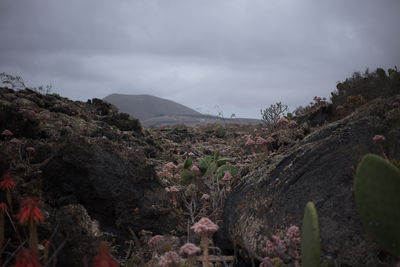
(7, 183)
(27, 258)
(103, 257)
(3, 207)
(30, 211)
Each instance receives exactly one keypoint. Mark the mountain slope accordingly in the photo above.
(155, 111)
(146, 106)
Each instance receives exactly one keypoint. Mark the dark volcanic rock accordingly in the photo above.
(320, 169)
(90, 166)
(108, 182)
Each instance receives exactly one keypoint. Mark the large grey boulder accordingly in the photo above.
(320, 169)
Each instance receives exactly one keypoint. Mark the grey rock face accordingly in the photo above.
(320, 169)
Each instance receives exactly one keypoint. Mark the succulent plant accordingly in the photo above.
(204, 163)
(187, 163)
(209, 164)
(222, 169)
(310, 243)
(186, 176)
(211, 168)
(219, 131)
(376, 189)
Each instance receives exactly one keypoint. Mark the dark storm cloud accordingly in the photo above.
(239, 55)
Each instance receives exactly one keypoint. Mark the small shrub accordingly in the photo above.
(220, 131)
(271, 115)
(368, 85)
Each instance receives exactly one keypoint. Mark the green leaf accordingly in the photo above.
(377, 195)
(187, 163)
(222, 161)
(211, 169)
(222, 169)
(310, 243)
(186, 177)
(204, 163)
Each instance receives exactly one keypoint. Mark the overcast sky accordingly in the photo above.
(234, 56)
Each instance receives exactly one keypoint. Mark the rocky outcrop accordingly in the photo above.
(320, 169)
(90, 166)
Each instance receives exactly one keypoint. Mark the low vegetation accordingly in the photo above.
(198, 172)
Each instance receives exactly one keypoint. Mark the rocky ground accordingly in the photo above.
(101, 176)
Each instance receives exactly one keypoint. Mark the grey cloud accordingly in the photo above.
(243, 54)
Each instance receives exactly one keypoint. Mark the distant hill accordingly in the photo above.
(146, 106)
(156, 111)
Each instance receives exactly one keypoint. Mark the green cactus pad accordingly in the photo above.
(222, 161)
(377, 195)
(211, 169)
(310, 244)
(186, 177)
(187, 163)
(204, 163)
(220, 172)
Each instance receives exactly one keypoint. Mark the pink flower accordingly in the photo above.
(7, 133)
(189, 249)
(250, 142)
(227, 177)
(172, 189)
(15, 141)
(165, 173)
(283, 121)
(293, 235)
(205, 197)
(260, 140)
(292, 124)
(270, 140)
(279, 242)
(195, 169)
(204, 227)
(270, 248)
(396, 104)
(156, 240)
(170, 258)
(170, 167)
(378, 138)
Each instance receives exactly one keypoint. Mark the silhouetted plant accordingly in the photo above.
(271, 115)
(17, 83)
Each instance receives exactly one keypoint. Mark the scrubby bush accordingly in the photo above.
(17, 83)
(271, 115)
(366, 87)
(219, 131)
